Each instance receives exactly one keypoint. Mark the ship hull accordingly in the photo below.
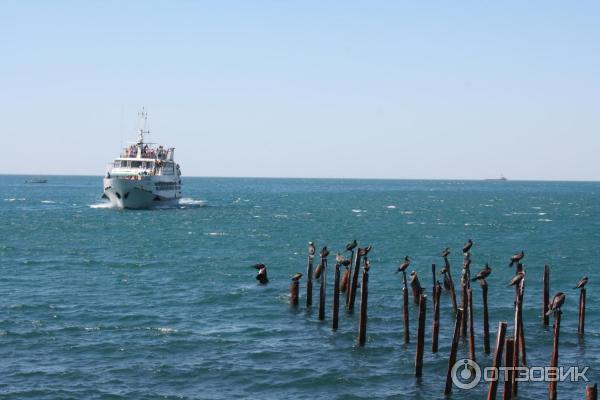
(138, 194)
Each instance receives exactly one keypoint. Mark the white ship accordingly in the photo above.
(144, 176)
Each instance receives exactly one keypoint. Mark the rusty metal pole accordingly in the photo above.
(336, 297)
(420, 336)
(493, 388)
(452, 290)
(354, 286)
(322, 289)
(294, 290)
(349, 272)
(436, 318)
(405, 308)
(486, 322)
(309, 281)
(581, 328)
(509, 345)
(554, 359)
(470, 320)
(546, 295)
(364, 296)
(453, 349)
(591, 392)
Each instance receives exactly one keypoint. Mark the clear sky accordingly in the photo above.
(369, 89)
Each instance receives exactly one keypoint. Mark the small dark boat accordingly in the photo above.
(36, 180)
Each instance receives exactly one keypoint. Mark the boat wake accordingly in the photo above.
(184, 203)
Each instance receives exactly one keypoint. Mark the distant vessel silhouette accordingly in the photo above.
(36, 180)
(502, 178)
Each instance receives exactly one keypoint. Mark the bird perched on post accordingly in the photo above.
(556, 303)
(516, 279)
(446, 252)
(350, 246)
(311, 249)
(261, 277)
(339, 259)
(484, 273)
(324, 252)
(402, 267)
(297, 276)
(467, 246)
(364, 250)
(367, 265)
(582, 282)
(516, 258)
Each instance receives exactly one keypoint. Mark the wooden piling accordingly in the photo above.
(463, 302)
(294, 290)
(486, 323)
(470, 320)
(354, 285)
(420, 336)
(581, 327)
(349, 288)
(322, 289)
(516, 339)
(453, 349)
(591, 392)
(405, 308)
(416, 287)
(546, 295)
(309, 281)
(435, 330)
(497, 362)
(452, 290)
(434, 280)
(554, 359)
(509, 345)
(364, 296)
(522, 351)
(336, 297)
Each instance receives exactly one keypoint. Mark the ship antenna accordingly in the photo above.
(143, 122)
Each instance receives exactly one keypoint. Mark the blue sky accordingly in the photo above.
(305, 89)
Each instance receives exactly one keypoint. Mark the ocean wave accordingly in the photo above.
(104, 204)
(48, 202)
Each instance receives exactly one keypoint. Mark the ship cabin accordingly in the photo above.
(144, 159)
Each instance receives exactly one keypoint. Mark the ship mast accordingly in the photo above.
(143, 121)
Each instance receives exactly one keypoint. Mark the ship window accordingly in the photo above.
(117, 164)
(136, 164)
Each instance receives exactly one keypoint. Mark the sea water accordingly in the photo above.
(109, 304)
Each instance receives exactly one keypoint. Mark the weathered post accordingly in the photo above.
(470, 318)
(336, 297)
(546, 295)
(405, 307)
(509, 345)
(420, 336)
(436, 318)
(493, 388)
(354, 285)
(353, 260)
(554, 359)
(486, 323)
(415, 284)
(453, 349)
(463, 302)
(434, 281)
(581, 328)
(294, 290)
(591, 392)
(309, 281)
(364, 296)
(322, 289)
(516, 337)
(452, 290)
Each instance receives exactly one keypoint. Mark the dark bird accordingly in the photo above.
(404, 265)
(319, 270)
(556, 303)
(516, 258)
(367, 265)
(324, 252)
(261, 277)
(446, 252)
(444, 271)
(350, 246)
(484, 273)
(365, 250)
(467, 246)
(582, 282)
(516, 279)
(297, 276)
(311, 248)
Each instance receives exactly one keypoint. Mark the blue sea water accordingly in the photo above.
(98, 303)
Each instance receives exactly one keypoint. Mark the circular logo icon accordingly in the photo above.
(465, 373)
